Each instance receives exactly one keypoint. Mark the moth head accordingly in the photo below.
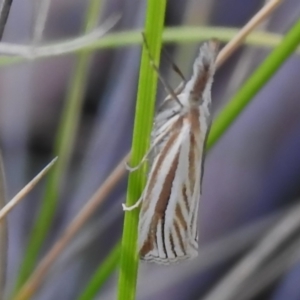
(203, 71)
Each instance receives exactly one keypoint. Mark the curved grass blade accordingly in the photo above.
(182, 34)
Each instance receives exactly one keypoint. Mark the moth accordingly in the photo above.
(168, 219)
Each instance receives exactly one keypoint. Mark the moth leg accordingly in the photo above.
(176, 69)
(132, 169)
(132, 207)
(157, 140)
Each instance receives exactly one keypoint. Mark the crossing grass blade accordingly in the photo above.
(155, 15)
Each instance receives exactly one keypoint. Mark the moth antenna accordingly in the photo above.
(162, 80)
(176, 69)
(173, 64)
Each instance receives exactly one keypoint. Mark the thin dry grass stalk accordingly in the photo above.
(41, 270)
(4, 13)
(24, 192)
(234, 280)
(33, 51)
(41, 18)
(284, 261)
(232, 45)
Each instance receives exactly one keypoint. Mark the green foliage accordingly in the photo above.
(182, 34)
(142, 129)
(141, 140)
(101, 274)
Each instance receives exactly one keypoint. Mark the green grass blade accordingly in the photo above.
(101, 274)
(254, 84)
(141, 139)
(63, 149)
(187, 34)
(182, 34)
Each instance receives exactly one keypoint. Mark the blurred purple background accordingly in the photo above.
(252, 172)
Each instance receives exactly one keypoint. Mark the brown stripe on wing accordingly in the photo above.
(195, 215)
(193, 118)
(162, 202)
(200, 82)
(179, 215)
(150, 242)
(164, 197)
(192, 164)
(174, 130)
(172, 244)
(205, 71)
(160, 209)
(181, 243)
(165, 193)
(185, 198)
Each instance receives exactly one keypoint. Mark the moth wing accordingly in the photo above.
(168, 216)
